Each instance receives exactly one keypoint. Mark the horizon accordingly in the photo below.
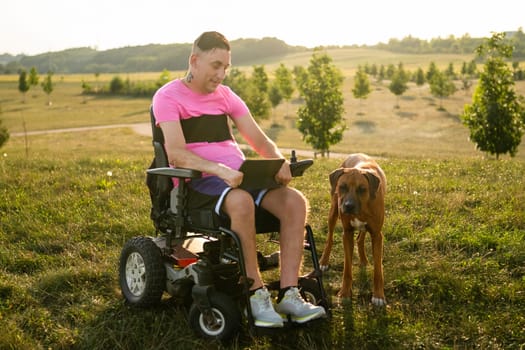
(58, 25)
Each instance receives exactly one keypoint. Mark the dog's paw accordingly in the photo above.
(378, 301)
(324, 267)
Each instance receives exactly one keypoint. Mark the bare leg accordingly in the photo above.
(290, 207)
(239, 206)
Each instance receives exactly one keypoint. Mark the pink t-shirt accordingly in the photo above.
(176, 102)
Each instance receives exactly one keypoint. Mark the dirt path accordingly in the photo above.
(145, 130)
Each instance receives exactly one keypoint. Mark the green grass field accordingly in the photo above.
(454, 233)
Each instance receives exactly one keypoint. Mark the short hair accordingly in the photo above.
(211, 40)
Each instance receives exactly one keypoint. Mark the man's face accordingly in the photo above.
(210, 68)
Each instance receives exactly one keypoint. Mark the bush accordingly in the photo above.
(4, 134)
(116, 86)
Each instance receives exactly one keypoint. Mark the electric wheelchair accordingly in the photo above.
(197, 259)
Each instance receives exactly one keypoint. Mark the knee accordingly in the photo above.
(239, 203)
(294, 205)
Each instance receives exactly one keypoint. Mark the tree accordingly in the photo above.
(33, 77)
(301, 76)
(47, 86)
(398, 85)
(420, 77)
(284, 83)
(257, 94)
(23, 84)
(237, 81)
(275, 97)
(321, 117)
(441, 86)
(432, 68)
(495, 117)
(361, 88)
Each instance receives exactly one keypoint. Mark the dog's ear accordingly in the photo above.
(334, 175)
(373, 183)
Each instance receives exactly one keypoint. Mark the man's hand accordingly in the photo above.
(284, 175)
(232, 177)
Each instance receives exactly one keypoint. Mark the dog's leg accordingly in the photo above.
(332, 220)
(348, 246)
(378, 297)
(363, 261)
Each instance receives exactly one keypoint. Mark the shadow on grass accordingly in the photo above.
(366, 126)
(409, 115)
(274, 130)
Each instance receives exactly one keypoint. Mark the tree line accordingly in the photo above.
(156, 57)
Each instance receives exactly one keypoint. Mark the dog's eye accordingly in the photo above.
(361, 190)
(343, 188)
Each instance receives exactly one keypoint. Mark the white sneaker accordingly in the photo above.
(299, 310)
(263, 312)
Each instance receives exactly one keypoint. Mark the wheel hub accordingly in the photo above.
(136, 274)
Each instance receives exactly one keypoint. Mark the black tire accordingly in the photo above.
(225, 319)
(310, 290)
(142, 274)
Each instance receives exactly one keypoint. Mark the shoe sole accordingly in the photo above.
(265, 324)
(303, 319)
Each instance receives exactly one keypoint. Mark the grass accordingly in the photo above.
(454, 232)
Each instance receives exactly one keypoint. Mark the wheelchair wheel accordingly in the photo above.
(142, 275)
(310, 290)
(221, 322)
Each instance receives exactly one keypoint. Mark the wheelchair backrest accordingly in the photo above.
(160, 187)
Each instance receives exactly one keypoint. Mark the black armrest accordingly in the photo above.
(176, 172)
(298, 167)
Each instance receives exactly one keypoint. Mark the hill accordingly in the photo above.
(156, 57)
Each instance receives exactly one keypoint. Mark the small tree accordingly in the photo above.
(420, 77)
(398, 85)
(23, 84)
(495, 117)
(301, 76)
(441, 86)
(361, 88)
(275, 98)
(284, 82)
(257, 94)
(33, 77)
(237, 81)
(48, 86)
(321, 117)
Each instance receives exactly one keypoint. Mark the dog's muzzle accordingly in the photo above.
(349, 206)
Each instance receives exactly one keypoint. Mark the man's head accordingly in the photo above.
(209, 61)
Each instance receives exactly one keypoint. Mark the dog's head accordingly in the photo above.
(353, 187)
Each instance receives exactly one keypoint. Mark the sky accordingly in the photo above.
(31, 27)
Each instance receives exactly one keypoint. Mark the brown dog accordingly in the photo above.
(358, 190)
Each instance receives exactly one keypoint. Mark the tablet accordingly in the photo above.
(260, 173)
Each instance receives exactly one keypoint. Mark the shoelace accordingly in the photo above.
(296, 298)
(263, 300)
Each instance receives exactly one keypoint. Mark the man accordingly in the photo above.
(194, 114)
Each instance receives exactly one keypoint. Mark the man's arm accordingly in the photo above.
(180, 157)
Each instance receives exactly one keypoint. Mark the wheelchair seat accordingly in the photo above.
(168, 200)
